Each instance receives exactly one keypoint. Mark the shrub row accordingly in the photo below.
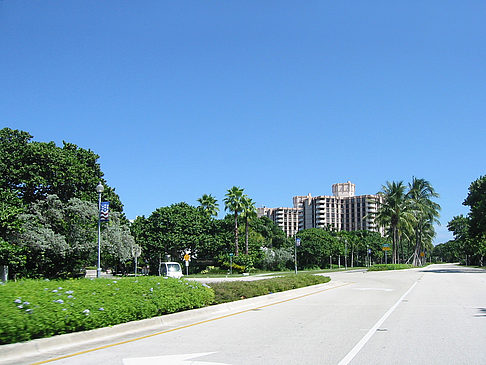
(36, 308)
(382, 267)
(236, 290)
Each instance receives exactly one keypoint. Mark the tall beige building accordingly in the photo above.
(342, 211)
(285, 218)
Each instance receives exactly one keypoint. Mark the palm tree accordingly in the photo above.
(394, 213)
(249, 212)
(426, 213)
(209, 204)
(234, 203)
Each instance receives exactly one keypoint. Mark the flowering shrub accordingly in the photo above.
(37, 308)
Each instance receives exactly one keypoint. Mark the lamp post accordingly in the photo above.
(99, 189)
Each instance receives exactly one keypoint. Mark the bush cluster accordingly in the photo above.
(37, 308)
(383, 267)
(236, 290)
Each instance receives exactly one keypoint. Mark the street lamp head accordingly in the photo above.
(100, 188)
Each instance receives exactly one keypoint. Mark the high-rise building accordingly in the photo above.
(285, 218)
(342, 211)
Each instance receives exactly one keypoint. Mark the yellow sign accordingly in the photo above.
(187, 257)
(422, 254)
(386, 248)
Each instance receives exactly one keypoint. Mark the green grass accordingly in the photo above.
(36, 308)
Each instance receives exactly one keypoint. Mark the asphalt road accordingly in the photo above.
(435, 315)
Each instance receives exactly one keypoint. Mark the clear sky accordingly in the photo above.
(282, 98)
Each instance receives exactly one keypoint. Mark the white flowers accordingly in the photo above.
(86, 312)
(69, 292)
(18, 301)
(60, 301)
(101, 309)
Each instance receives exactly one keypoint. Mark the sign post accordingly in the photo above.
(231, 263)
(187, 258)
(386, 248)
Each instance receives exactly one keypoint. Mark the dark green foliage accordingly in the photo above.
(34, 308)
(317, 245)
(236, 290)
(34, 170)
(476, 200)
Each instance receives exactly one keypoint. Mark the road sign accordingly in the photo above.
(297, 241)
(386, 247)
(422, 254)
(187, 257)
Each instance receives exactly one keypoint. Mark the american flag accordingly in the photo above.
(105, 209)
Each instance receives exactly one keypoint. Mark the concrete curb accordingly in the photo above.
(64, 343)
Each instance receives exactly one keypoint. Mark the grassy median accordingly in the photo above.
(40, 308)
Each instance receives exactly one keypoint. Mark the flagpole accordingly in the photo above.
(99, 189)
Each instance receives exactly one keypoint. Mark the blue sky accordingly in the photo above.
(282, 98)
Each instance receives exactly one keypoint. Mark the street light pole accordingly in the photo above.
(99, 189)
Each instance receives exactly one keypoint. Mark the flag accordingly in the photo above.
(104, 210)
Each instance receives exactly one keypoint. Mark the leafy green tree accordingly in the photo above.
(33, 170)
(425, 211)
(476, 201)
(209, 204)
(60, 239)
(171, 231)
(315, 248)
(234, 203)
(117, 242)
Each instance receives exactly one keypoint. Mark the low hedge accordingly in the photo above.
(36, 308)
(383, 267)
(236, 290)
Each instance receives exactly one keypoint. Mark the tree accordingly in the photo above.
(209, 205)
(234, 203)
(394, 213)
(33, 170)
(173, 230)
(249, 212)
(425, 211)
(476, 200)
(60, 239)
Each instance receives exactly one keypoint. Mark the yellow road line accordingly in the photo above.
(182, 327)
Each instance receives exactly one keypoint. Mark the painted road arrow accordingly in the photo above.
(171, 359)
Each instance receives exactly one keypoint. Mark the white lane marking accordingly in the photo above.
(379, 289)
(171, 359)
(347, 359)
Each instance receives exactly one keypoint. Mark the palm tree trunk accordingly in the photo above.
(236, 233)
(394, 253)
(246, 235)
